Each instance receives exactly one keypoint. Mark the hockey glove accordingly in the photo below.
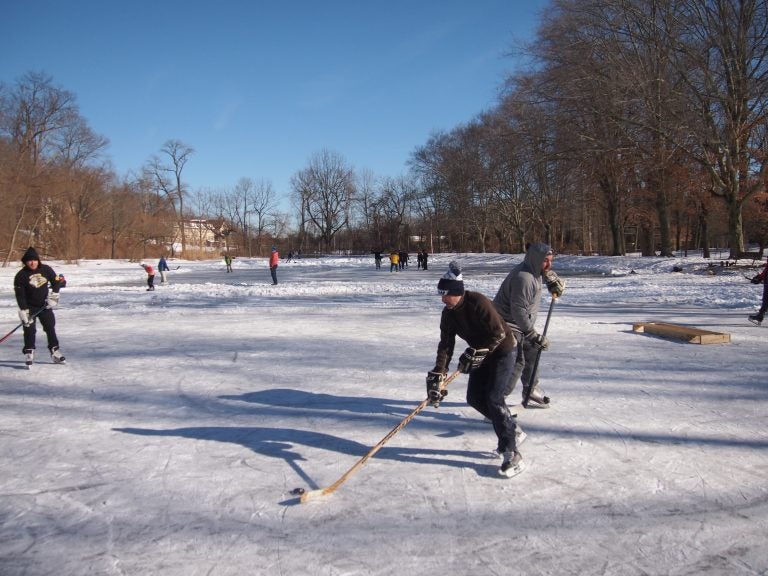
(24, 317)
(435, 391)
(555, 285)
(471, 359)
(757, 280)
(538, 340)
(53, 300)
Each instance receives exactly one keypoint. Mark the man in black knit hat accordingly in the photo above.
(489, 360)
(36, 302)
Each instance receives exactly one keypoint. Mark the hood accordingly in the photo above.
(30, 254)
(535, 255)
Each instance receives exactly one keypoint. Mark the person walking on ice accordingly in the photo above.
(757, 319)
(36, 301)
(274, 260)
(489, 360)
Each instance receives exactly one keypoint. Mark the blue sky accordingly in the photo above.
(256, 88)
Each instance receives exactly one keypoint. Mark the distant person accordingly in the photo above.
(394, 261)
(418, 260)
(518, 300)
(424, 260)
(403, 257)
(273, 261)
(377, 259)
(290, 256)
(162, 267)
(36, 302)
(228, 261)
(150, 276)
(761, 279)
(489, 360)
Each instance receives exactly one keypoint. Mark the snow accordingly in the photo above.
(171, 440)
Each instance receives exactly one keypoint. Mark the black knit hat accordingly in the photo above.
(452, 282)
(30, 254)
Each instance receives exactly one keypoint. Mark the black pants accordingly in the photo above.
(764, 305)
(48, 322)
(485, 393)
(524, 362)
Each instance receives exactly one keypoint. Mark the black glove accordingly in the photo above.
(555, 285)
(756, 280)
(471, 359)
(435, 391)
(538, 340)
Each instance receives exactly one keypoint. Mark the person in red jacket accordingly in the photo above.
(273, 260)
(150, 276)
(761, 279)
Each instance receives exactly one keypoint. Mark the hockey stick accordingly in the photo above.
(529, 390)
(312, 494)
(4, 338)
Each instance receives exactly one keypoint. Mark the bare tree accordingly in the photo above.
(44, 133)
(262, 201)
(326, 189)
(166, 175)
(723, 58)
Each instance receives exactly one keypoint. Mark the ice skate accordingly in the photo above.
(512, 464)
(57, 356)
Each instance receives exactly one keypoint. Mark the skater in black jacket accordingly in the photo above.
(489, 360)
(761, 279)
(36, 302)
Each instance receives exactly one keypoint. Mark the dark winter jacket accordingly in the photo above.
(476, 321)
(31, 286)
(519, 296)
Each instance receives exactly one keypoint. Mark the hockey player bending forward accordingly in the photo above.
(489, 360)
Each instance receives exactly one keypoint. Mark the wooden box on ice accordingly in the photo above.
(677, 332)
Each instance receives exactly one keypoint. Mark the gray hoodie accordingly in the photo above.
(519, 296)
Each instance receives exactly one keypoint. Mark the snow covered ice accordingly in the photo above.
(171, 440)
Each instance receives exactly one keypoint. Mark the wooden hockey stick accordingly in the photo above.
(529, 390)
(313, 494)
(35, 315)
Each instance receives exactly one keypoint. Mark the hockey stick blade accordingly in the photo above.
(310, 495)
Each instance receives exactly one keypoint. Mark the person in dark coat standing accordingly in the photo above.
(162, 267)
(36, 287)
(761, 278)
(489, 360)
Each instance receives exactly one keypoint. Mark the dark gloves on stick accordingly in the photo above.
(435, 390)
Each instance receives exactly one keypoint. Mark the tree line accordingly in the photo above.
(637, 126)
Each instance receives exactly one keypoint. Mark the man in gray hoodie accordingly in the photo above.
(518, 301)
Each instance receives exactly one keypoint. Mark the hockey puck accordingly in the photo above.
(297, 491)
